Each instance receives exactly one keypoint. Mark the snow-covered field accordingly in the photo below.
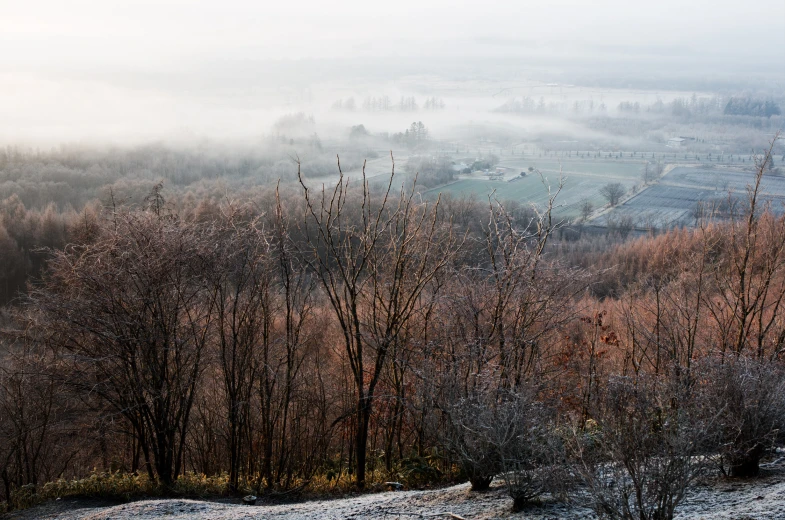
(760, 499)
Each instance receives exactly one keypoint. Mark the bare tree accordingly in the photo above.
(748, 284)
(647, 173)
(613, 192)
(587, 208)
(623, 225)
(526, 294)
(241, 283)
(658, 169)
(651, 172)
(132, 312)
(373, 270)
(38, 422)
(283, 360)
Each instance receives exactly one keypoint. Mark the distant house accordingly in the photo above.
(675, 142)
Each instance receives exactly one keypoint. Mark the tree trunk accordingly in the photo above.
(748, 466)
(361, 441)
(234, 451)
(519, 504)
(481, 483)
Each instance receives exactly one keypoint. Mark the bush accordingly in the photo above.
(748, 397)
(508, 433)
(418, 471)
(465, 439)
(643, 448)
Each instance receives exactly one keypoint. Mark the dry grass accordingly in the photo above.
(416, 473)
(121, 486)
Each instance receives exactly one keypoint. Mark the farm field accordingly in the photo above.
(582, 181)
(670, 202)
(621, 169)
(675, 198)
(722, 180)
(660, 206)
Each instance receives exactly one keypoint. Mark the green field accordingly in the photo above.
(582, 180)
(628, 170)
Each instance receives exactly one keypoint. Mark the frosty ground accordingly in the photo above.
(759, 499)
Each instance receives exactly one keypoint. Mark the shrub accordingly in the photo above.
(643, 449)
(508, 433)
(418, 471)
(478, 459)
(748, 396)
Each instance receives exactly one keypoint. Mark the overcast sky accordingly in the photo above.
(147, 33)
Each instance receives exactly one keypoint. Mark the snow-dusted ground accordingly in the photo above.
(759, 499)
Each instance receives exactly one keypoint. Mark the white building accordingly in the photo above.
(675, 142)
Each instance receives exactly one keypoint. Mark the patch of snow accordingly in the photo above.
(760, 499)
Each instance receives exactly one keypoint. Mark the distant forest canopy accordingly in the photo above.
(679, 107)
(74, 175)
(752, 107)
(383, 103)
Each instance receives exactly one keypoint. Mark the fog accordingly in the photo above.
(149, 34)
(131, 72)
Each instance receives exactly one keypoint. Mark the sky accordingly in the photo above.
(166, 32)
(116, 66)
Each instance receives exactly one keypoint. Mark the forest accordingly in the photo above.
(315, 338)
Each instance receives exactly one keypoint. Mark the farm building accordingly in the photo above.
(676, 142)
